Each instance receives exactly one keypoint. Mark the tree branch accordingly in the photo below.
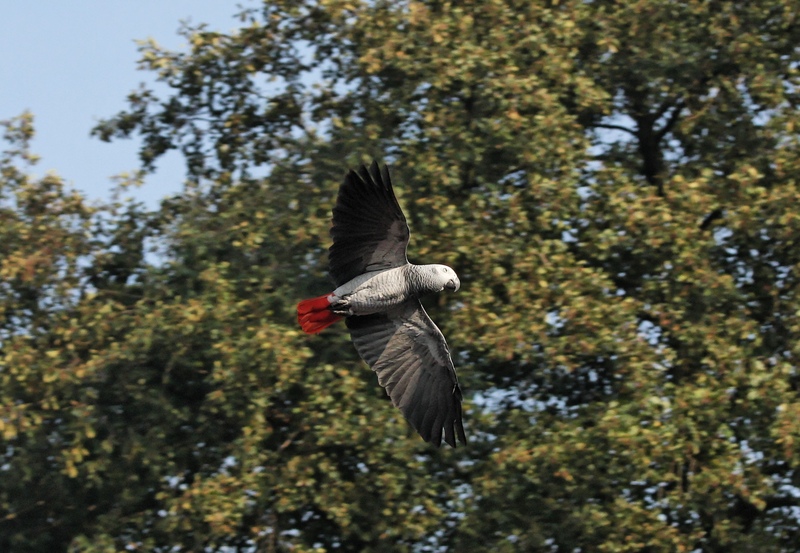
(616, 128)
(671, 121)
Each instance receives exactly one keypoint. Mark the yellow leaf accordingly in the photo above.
(9, 432)
(753, 172)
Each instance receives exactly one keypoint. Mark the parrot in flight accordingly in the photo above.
(378, 295)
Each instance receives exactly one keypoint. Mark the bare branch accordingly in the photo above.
(616, 128)
(672, 120)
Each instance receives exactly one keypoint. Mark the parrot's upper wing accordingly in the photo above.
(369, 229)
(410, 355)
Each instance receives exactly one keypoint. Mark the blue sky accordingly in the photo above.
(73, 63)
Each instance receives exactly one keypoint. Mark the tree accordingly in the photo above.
(631, 377)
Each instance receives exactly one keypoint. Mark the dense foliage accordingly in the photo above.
(614, 182)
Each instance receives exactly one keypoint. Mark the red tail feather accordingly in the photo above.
(314, 315)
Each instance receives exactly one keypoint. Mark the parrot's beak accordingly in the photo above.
(453, 284)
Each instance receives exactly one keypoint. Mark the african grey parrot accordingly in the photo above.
(378, 296)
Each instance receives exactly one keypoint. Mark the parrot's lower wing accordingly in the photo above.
(409, 354)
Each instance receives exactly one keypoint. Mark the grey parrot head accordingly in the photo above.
(446, 277)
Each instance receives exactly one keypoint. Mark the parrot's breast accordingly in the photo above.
(375, 292)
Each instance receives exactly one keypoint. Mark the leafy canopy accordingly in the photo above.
(631, 375)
